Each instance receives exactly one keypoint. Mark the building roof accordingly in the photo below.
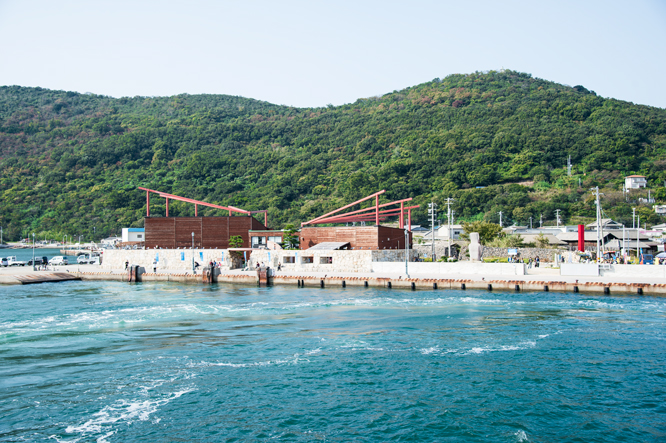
(635, 176)
(330, 246)
(136, 229)
(590, 236)
(605, 223)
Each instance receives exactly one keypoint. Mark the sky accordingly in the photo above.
(314, 53)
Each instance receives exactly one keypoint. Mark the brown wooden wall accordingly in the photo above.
(359, 237)
(209, 232)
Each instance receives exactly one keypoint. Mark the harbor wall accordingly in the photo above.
(445, 268)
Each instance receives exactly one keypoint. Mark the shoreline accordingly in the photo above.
(543, 282)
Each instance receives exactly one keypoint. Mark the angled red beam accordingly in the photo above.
(371, 208)
(195, 202)
(376, 194)
(364, 217)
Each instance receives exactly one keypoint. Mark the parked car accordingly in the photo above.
(38, 261)
(14, 262)
(648, 259)
(95, 260)
(59, 260)
(4, 262)
(83, 259)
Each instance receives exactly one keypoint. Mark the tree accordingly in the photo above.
(236, 241)
(487, 231)
(290, 239)
(542, 241)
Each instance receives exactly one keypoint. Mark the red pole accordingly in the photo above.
(229, 212)
(167, 207)
(402, 215)
(266, 218)
(147, 204)
(409, 220)
(581, 238)
(196, 212)
(377, 210)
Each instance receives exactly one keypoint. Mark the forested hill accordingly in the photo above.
(71, 162)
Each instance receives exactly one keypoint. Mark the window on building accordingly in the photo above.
(307, 260)
(139, 236)
(276, 239)
(325, 260)
(289, 260)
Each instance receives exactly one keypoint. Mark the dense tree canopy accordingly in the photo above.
(499, 141)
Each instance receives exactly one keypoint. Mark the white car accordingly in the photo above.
(83, 259)
(4, 262)
(14, 262)
(59, 260)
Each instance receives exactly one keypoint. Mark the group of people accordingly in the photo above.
(517, 259)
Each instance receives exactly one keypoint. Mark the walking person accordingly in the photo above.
(537, 262)
(155, 266)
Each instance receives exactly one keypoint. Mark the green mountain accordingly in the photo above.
(499, 141)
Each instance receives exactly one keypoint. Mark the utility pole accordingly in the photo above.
(530, 222)
(540, 220)
(637, 242)
(406, 252)
(596, 190)
(448, 217)
(633, 218)
(557, 216)
(432, 212)
(1, 235)
(500, 214)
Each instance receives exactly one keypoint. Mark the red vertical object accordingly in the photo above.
(229, 212)
(167, 207)
(581, 238)
(409, 220)
(196, 211)
(147, 204)
(266, 218)
(377, 210)
(402, 215)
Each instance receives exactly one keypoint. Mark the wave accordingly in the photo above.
(125, 411)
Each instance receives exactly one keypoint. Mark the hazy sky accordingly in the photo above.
(311, 53)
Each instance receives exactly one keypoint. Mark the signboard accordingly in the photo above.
(182, 256)
(513, 251)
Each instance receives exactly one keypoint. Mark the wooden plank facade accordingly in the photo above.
(359, 237)
(209, 232)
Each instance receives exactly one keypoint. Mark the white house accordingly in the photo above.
(133, 234)
(443, 232)
(635, 182)
(110, 241)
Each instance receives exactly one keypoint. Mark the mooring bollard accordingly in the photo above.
(413, 286)
(434, 285)
(344, 285)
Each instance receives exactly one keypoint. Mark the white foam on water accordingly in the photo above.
(521, 436)
(124, 411)
(426, 351)
(295, 360)
(503, 348)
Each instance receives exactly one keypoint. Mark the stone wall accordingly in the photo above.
(340, 261)
(545, 255)
(441, 248)
(167, 259)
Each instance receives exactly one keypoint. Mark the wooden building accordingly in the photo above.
(209, 232)
(359, 237)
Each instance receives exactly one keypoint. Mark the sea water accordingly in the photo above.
(119, 362)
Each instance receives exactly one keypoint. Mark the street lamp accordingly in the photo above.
(193, 270)
(406, 252)
(33, 251)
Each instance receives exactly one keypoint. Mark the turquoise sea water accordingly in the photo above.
(114, 362)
